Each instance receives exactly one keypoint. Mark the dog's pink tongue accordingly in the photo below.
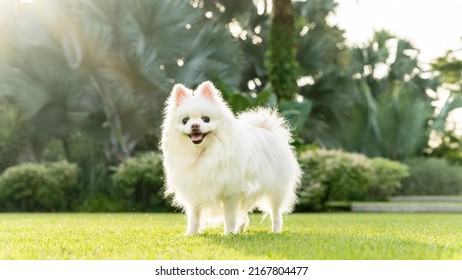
(196, 136)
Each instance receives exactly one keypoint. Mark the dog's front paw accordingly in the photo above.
(189, 233)
(228, 232)
(192, 231)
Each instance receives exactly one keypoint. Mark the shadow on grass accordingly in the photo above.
(260, 244)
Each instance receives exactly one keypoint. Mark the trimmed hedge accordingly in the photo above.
(334, 175)
(432, 176)
(32, 187)
(387, 178)
(137, 183)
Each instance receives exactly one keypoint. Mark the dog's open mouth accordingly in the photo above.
(197, 137)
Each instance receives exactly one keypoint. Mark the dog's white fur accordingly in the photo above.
(244, 162)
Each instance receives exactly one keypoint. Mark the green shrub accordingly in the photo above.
(65, 173)
(432, 176)
(35, 187)
(101, 202)
(140, 181)
(95, 182)
(387, 178)
(67, 176)
(333, 175)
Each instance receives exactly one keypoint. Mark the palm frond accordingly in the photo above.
(403, 123)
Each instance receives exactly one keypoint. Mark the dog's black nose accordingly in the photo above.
(195, 126)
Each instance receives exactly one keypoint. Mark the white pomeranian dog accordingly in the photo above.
(220, 167)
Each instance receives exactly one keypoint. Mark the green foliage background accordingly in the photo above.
(85, 82)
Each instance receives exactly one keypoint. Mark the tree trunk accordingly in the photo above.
(282, 63)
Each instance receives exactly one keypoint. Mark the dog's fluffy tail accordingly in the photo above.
(268, 119)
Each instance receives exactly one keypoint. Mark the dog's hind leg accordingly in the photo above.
(276, 218)
(243, 221)
(194, 220)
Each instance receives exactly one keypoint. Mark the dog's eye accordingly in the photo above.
(185, 120)
(206, 119)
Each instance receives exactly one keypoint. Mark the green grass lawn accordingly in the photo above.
(160, 236)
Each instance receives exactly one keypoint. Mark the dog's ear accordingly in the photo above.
(208, 90)
(179, 94)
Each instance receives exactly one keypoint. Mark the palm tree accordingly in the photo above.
(393, 116)
(396, 125)
(325, 79)
(106, 67)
